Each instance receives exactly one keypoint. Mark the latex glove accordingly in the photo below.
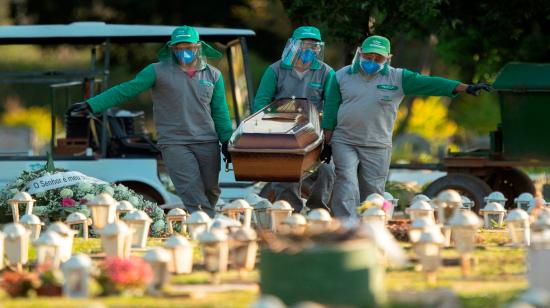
(326, 153)
(80, 107)
(225, 152)
(474, 89)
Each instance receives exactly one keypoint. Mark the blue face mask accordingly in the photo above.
(370, 67)
(185, 56)
(307, 56)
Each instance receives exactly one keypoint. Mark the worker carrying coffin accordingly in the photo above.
(300, 73)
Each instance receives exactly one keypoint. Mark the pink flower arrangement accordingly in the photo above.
(119, 275)
(68, 202)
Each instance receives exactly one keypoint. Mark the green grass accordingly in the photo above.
(497, 277)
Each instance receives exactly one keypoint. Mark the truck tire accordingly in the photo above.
(468, 185)
(511, 182)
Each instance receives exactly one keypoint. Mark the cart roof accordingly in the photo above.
(98, 32)
(523, 76)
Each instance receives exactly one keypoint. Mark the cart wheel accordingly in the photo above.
(468, 185)
(511, 182)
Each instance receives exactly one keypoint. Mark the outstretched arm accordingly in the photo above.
(143, 81)
(422, 85)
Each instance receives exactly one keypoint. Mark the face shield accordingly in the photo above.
(368, 63)
(303, 52)
(189, 56)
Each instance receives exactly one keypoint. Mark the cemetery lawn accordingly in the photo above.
(498, 277)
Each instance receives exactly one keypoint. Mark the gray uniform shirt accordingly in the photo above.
(368, 110)
(310, 86)
(181, 105)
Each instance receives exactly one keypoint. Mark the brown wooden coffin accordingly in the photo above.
(280, 143)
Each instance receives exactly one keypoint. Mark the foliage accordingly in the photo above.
(56, 204)
(36, 117)
(479, 115)
(120, 276)
(482, 36)
(429, 119)
(479, 37)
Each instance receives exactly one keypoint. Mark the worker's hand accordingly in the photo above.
(326, 153)
(474, 89)
(80, 108)
(225, 152)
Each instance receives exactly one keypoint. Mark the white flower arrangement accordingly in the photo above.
(56, 204)
(66, 193)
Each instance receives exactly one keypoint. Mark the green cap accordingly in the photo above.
(184, 34)
(376, 44)
(307, 32)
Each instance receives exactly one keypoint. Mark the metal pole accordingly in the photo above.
(93, 62)
(249, 85)
(52, 139)
(233, 89)
(105, 84)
